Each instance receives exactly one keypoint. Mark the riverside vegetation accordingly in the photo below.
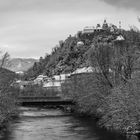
(8, 106)
(112, 91)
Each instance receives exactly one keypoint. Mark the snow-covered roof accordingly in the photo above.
(42, 76)
(120, 37)
(84, 70)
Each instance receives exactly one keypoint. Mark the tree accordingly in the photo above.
(4, 59)
(126, 54)
(101, 56)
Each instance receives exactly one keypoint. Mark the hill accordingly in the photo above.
(75, 52)
(20, 64)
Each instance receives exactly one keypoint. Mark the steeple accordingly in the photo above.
(105, 25)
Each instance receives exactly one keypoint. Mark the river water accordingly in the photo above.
(54, 124)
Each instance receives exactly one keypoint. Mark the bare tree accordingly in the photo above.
(101, 56)
(4, 59)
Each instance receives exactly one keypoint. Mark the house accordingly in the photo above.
(52, 84)
(56, 81)
(56, 77)
(80, 43)
(120, 38)
(40, 79)
(20, 72)
(23, 84)
(64, 77)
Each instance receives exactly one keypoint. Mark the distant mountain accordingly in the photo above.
(21, 64)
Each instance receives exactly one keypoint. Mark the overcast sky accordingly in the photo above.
(31, 28)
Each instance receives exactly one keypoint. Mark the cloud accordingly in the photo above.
(32, 27)
(47, 5)
(133, 4)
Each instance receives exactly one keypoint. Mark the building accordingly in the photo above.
(120, 38)
(22, 84)
(105, 25)
(20, 72)
(80, 43)
(64, 77)
(56, 81)
(98, 28)
(112, 28)
(40, 79)
(88, 30)
(52, 84)
(85, 70)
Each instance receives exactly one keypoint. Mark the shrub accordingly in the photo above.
(7, 95)
(122, 107)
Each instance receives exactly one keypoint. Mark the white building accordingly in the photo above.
(56, 77)
(64, 77)
(120, 38)
(56, 81)
(61, 77)
(88, 29)
(80, 43)
(56, 85)
(20, 72)
(40, 79)
(98, 29)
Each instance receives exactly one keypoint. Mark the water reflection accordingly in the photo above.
(52, 124)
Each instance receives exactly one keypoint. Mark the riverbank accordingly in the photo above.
(8, 95)
(117, 108)
(8, 109)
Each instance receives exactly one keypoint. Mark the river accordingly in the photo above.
(54, 124)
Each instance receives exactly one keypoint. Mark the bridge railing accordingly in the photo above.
(37, 98)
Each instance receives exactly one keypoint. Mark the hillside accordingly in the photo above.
(20, 64)
(76, 51)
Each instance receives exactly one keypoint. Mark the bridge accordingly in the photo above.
(43, 101)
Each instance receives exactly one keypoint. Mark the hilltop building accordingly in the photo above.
(88, 30)
(105, 27)
(98, 28)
